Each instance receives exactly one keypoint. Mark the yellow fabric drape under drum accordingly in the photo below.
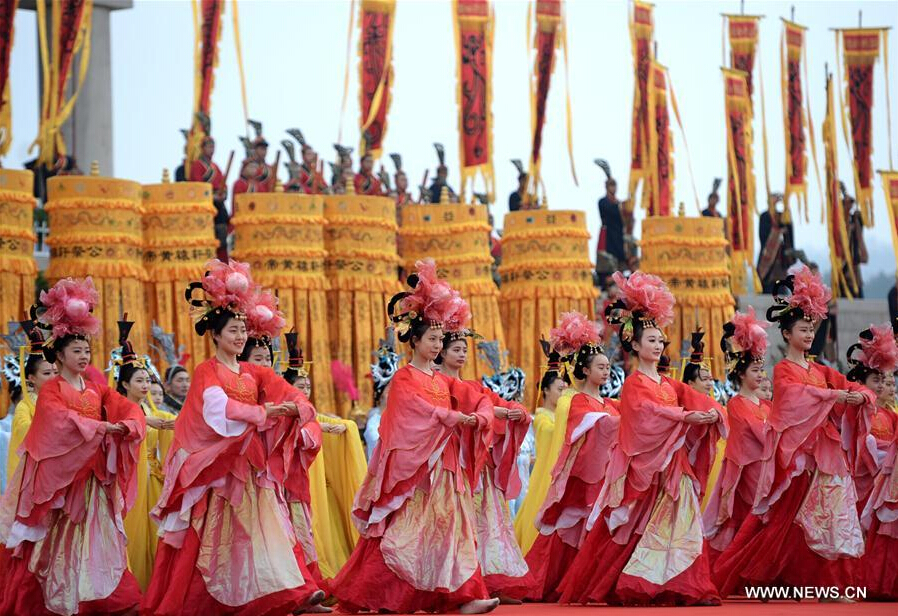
(281, 236)
(360, 239)
(17, 267)
(457, 237)
(690, 255)
(178, 242)
(545, 271)
(95, 230)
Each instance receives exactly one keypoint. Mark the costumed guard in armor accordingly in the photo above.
(436, 188)
(610, 254)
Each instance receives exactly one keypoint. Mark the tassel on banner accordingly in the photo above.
(658, 193)
(642, 32)
(70, 31)
(376, 22)
(7, 32)
(890, 188)
(474, 29)
(551, 34)
(207, 26)
(839, 250)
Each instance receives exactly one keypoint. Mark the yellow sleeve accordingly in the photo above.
(165, 437)
(21, 421)
(715, 471)
(345, 469)
(549, 439)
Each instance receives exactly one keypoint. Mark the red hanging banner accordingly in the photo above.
(210, 34)
(861, 51)
(548, 22)
(474, 47)
(743, 31)
(7, 29)
(795, 119)
(740, 175)
(658, 194)
(642, 32)
(375, 71)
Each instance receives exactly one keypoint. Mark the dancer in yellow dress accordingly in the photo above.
(34, 371)
(133, 376)
(556, 394)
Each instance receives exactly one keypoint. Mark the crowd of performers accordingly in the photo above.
(228, 493)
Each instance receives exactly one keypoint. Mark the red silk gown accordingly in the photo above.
(501, 561)
(61, 517)
(749, 444)
(882, 430)
(880, 519)
(804, 528)
(577, 479)
(414, 510)
(644, 541)
(227, 545)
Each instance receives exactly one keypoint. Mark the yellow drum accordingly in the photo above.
(690, 255)
(96, 230)
(457, 237)
(361, 267)
(281, 236)
(545, 271)
(178, 242)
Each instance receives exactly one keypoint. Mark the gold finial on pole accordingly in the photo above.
(95, 168)
(681, 211)
(444, 194)
(166, 176)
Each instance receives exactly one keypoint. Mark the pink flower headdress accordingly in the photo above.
(644, 298)
(431, 301)
(227, 288)
(744, 341)
(66, 309)
(264, 322)
(806, 297)
(878, 352)
(575, 330)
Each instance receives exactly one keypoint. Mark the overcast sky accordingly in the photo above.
(294, 57)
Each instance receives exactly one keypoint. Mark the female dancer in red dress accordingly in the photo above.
(750, 441)
(504, 571)
(644, 541)
(872, 359)
(578, 475)
(226, 542)
(414, 511)
(804, 528)
(264, 323)
(61, 517)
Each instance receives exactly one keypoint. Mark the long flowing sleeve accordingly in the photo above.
(63, 448)
(21, 422)
(413, 433)
(592, 430)
(508, 436)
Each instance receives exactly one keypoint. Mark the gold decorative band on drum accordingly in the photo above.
(361, 267)
(281, 236)
(17, 266)
(95, 230)
(178, 242)
(690, 255)
(545, 271)
(457, 237)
